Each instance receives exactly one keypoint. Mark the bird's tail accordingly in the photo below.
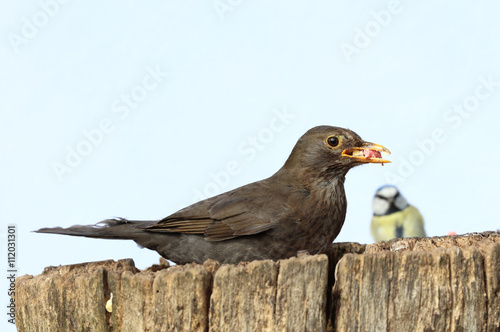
(107, 229)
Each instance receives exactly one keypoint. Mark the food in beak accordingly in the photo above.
(367, 153)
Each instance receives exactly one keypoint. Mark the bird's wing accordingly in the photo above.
(414, 223)
(243, 211)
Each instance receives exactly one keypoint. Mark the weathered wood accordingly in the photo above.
(132, 302)
(432, 243)
(181, 297)
(68, 298)
(301, 298)
(173, 299)
(243, 297)
(492, 273)
(468, 284)
(335, 253)
(431, 284)
(265, 296)
(443, 290)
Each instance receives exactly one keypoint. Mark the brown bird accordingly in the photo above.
(300, 207)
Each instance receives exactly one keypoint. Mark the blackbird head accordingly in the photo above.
(329, 152)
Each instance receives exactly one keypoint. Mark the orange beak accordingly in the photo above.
(367, 153)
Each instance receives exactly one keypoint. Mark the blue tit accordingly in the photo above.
(393, 217)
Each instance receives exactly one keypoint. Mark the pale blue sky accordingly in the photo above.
(165, 100)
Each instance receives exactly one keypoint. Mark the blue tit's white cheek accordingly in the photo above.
(380, 206)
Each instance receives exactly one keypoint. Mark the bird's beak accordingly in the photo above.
(367, 153)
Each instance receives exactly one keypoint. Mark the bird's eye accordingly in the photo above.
(333, 141)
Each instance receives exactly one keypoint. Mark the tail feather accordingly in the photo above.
(107, 229)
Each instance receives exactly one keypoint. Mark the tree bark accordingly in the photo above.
(430, 284)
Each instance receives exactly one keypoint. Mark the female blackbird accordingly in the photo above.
(300, 207)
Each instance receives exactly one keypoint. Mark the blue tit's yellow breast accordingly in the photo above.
(404, 223)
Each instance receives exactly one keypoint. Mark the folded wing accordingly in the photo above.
(228, 215)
